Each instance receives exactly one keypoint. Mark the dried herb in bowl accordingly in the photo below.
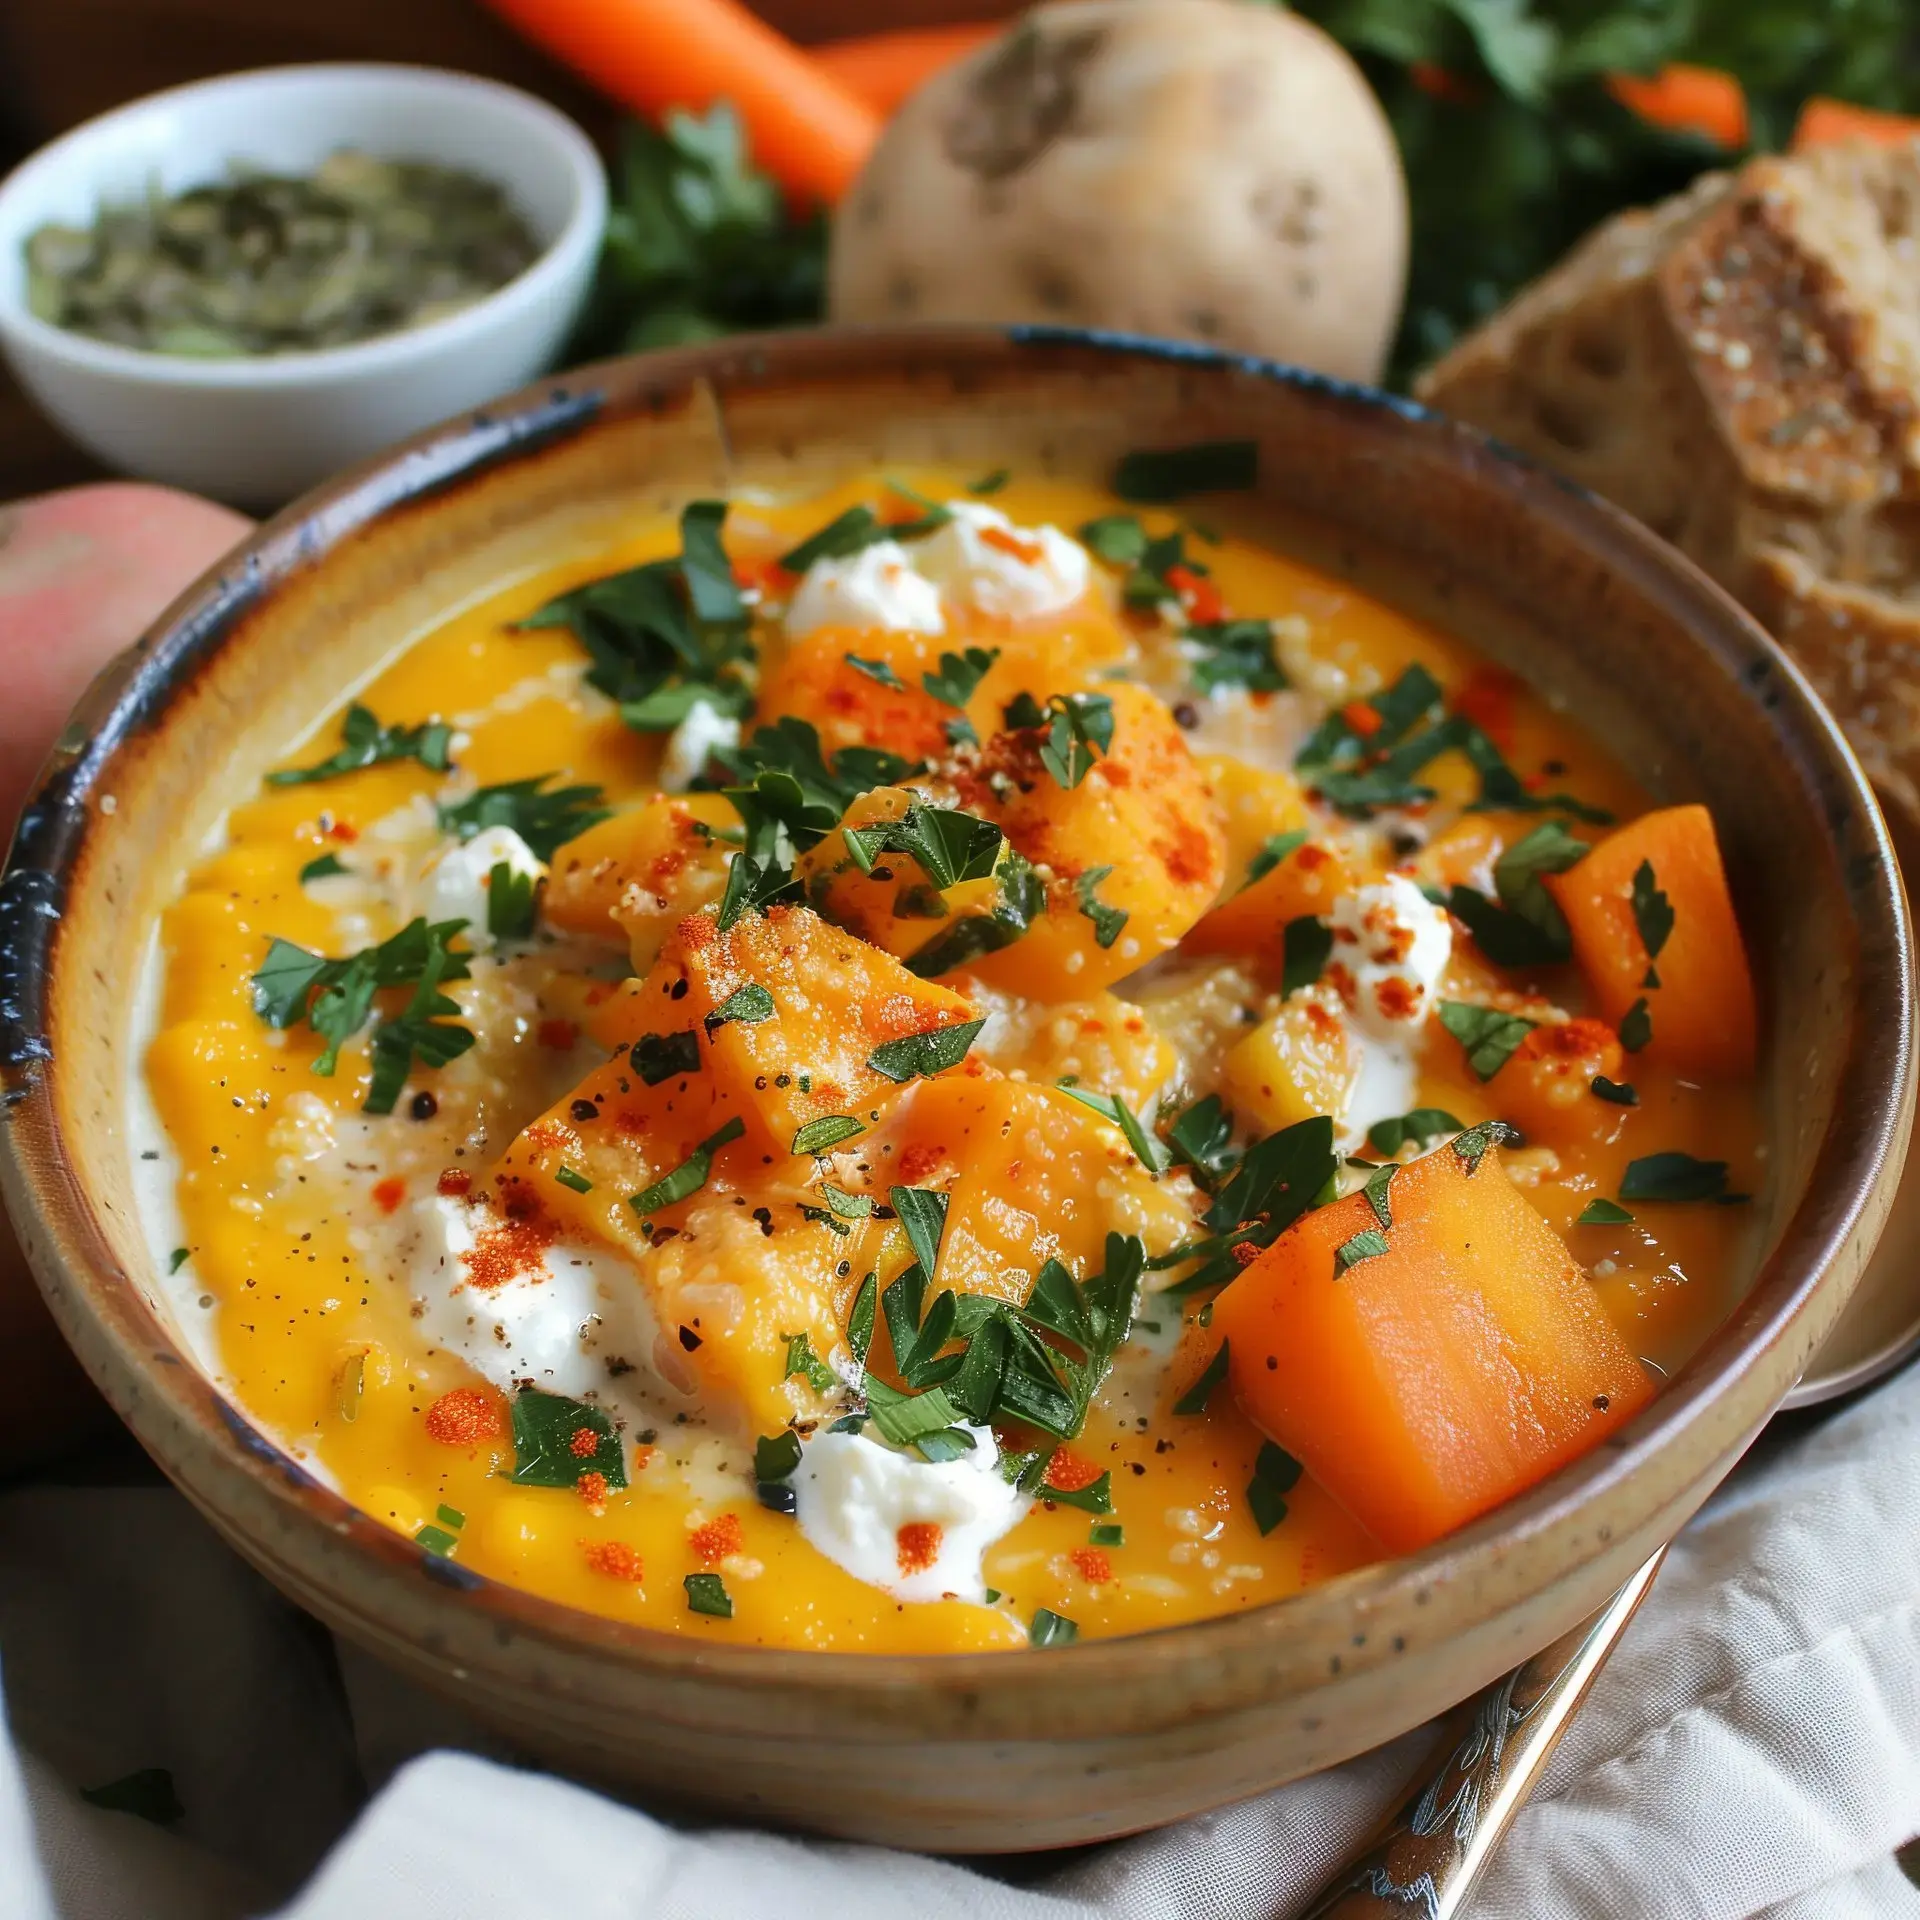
(267, 263)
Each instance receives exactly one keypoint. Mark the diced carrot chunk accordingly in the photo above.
(1698, 988)
(1427, 1383)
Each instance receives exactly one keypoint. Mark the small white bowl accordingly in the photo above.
(257, 431)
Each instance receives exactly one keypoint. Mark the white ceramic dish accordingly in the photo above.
(257, 431)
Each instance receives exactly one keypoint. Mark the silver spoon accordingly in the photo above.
(1426, 1860)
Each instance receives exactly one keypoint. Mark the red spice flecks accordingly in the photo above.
(918, 1160)
(917, 1545)
(344, 831)
(1092, 1565)
(388, 1194)
(1246, 1253)
(1198, 595)
(1397, 997)
(583, 1443)
(718, 1540)
(1188, 855)
(455, 1182)
(615, 1559)
(464, 1418)
(1361, 718)
(592, 1488)
(1070, 1471)
(560, 1035)
(1028, 552)
(505, 1253)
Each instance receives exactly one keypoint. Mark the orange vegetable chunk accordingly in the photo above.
(1253, 921)
(1702, 1010)
(1426, 1384)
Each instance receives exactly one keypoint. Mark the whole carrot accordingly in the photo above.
(884, 68)
(803, 127)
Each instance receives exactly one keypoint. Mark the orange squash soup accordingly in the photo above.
(958, 1062)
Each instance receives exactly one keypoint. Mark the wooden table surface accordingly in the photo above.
(62, 61)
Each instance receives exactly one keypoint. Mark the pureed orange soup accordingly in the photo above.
(936, 1067)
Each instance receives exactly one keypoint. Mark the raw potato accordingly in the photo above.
(1201, 169)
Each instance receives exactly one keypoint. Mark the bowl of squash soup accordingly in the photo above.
(962, 1087)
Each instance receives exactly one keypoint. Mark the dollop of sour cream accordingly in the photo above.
(454, 886)
(692, 741)
(916, 1529)
(876, 587)
(980, 559)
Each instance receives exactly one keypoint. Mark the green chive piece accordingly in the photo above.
(707, 1593)
(1052, 1629)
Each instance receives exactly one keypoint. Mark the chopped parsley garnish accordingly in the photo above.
(366, 743)
(576, 1182)
(1274, 849)
(1237, 653)
(776, 1455)
(923, 1215)
(849, 1206)
(802, 1360)
(1636, 1026)
(860, 1320)
(1602, 1213)
(178, 1258)
(754, 882)
(1275, 1475)
(789, 788)
(923, 1054)
(1369, 1245)
(959, 675)
(1201, 1135)
(1675, 1176)
(335, 998)
(1276, 1180)
(546, 818)
(990, 482)
(664, 636)
(1490, 1037)
(1022, 900)
(450, 1516)
(1652, 912)
(1155, 475)
(690, 1175)
(750, 1004)
(665, 1056)
(1379, 1194)
(817, 1136)
(1107, 921)
(1052, 1629)
(436, 1540)
(1095, 1497)
(1195, 1399)
(1617, 1091)
(1306, 946)
(877, 670)
(1148, 1148)
(1106, 1533)
(1117, 538)
(322, 868)
(707, 1593)
(1081, 722)
(1149, 560)
(511, 901)
(1471, 1146)
(859, 527)
(1422, 1125)
(949, 846)
(556, 1440)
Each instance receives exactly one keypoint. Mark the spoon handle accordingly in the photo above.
(1426, 1861)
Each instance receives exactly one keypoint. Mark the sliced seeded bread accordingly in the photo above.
(1740, 368)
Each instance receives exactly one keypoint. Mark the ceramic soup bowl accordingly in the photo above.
(979, 1751)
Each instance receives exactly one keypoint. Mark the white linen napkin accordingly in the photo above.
(1752, 1750)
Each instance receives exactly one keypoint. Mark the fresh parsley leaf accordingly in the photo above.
(366, 743)
(789, 783)
(849, 1206)
(879, 671)
(1617, 1091)
(990, 482)
(1379, 1193)
(1117, 538)
(1022, 900)
(1276, 1179)
(860, 1320)
(1095, 1497)
(322, 868)
(818, 1136)
(1201, 1136)
(846, 533)
(1195, 1399)
(908, 1419)
(802, 1360)
(1471, 1146)
(707, 1593)
(1155, 475)
(1510, 938)
(1652, 910)
(1602, 1213)
(556, 1440)
(1274, 849)
(1081, 722)
(1148, 1148)
(915, 1055)
(1106, 1533)
(1675, 1176)
(753, 884)
(749, 1003)
(1275, 1475)
(1636, 1026)
(178, 1258)
(1490, 1037)
(435, 1540)
(544, 817)
(665, 1056)
(776, 1456)
(1052, 1629)
(923, 1214)
(1369, 1245)
(1237, 653)
(511, 899)
(949, 846)
(1422, 1125)
(959, 675)
(690, 1175)
(1107, 921)
(1306, 946)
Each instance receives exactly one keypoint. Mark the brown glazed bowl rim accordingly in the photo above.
(42, 1188)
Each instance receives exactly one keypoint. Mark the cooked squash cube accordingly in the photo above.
(636, 876)
(1253, 922)
(1301, 1062)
